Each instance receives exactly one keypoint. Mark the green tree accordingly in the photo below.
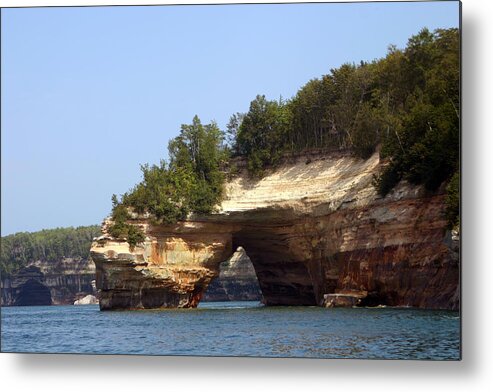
(232, 130)
(262, 133)
(406, 102)
(192, 182)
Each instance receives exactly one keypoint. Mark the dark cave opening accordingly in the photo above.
(33, 293)
(283, 280)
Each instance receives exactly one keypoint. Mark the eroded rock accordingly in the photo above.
(171, 269)
(65, 280)
(309, 230)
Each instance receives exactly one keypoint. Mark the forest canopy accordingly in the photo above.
(47, 245)
(407, 103)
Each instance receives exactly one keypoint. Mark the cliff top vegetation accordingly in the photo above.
(17, 250)
(408, 102)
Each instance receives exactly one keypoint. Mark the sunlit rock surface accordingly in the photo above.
(312, 226)
(171, 269)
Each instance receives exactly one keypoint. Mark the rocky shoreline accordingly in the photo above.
(49, 283)
(43, 284)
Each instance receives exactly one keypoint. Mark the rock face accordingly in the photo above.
(172, 269)
(87, 300)
(310, 227)
(237, 280)
(47, 283)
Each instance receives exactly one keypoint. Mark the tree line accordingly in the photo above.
(17, 250)
(407, 103)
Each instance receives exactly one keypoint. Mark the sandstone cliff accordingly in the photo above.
(311, 227)
(48, 283)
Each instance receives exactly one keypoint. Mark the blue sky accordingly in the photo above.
(89, 94)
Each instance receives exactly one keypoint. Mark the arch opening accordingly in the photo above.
(283, 279)
(237, 280)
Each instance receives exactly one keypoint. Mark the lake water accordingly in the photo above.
(235, 329)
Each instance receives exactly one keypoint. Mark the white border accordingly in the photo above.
(474, 373)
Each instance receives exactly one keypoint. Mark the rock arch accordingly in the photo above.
(283, 279)
(237, 280)
(312, 230)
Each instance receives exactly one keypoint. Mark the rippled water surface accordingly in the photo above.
(235, 328)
